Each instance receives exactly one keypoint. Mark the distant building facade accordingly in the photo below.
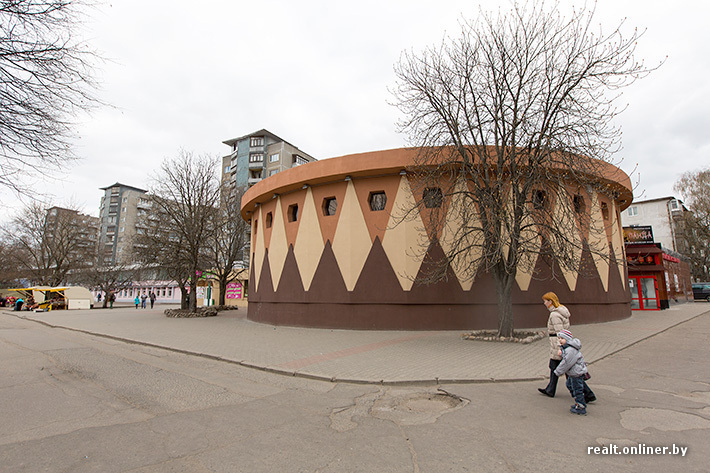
(84, 231)
(119, 215)
(663, 216)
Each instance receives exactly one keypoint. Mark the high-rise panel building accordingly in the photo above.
(258, 155)
(77, 232)
(119, 212)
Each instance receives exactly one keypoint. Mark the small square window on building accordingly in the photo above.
(377, 201)
(292, 212)
(330, 206)
(605, 211)
(433, 197)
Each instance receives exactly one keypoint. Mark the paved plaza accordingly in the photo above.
(388, 357)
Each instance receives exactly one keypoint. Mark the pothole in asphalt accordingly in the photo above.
(666, 420)
(409, 408)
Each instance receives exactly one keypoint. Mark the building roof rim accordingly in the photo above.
(386, 161)
(118, 184)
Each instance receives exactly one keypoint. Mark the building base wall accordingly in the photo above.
(421, 317)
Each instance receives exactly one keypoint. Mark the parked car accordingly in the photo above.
(701, 290)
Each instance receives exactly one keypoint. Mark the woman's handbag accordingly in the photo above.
(586, 376)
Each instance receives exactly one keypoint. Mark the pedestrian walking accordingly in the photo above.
(152, 299)
(574, 366)
(137, 301)
(144, 297)
(111, 299)
(558, 320)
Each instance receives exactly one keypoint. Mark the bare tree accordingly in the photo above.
(694, 226)
(184, 199)
(50, 243)
(228, 241)
(45, 79)
(10, 274)
(514, 122)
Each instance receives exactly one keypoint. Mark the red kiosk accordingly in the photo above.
(655, 277)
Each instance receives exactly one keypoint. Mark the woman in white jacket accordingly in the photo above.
(558, 320)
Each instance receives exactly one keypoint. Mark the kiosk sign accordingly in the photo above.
(234, 290)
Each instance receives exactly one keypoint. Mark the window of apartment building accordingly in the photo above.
(433, 197)
(256, 141)
(226, 169)
(112, 220)
(256, 157)
(292, 212)
(125, 199)
(330, 206)
(377, 200)
(256, 174)
(633, 211)
(123, 219)
(298, 160)
(273, 171)
(274, 158)
(122, 229)
(674, 205)
(123, 209)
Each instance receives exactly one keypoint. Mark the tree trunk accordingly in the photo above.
(504, 290)
(184, 304)
(222, 290)
(193, 295)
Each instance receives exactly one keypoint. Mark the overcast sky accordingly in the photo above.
(316, 73)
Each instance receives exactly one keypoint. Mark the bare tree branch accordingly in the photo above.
(46, 78)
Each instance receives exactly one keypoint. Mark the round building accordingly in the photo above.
(329, 251)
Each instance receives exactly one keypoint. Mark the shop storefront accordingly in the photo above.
(656, 278)
(646, 277)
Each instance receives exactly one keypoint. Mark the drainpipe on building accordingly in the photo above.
(671, 225)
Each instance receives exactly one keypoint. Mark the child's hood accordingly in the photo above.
(574, 343)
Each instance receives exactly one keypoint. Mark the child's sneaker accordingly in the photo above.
(578, 409)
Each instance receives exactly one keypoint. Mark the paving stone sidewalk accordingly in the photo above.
(389, 357)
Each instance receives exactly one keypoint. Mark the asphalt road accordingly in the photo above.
(72, 402)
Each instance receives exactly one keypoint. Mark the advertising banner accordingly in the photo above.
(638, 235)
(234, 290)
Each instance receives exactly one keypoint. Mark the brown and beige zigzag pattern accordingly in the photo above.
(351, 233)
(379, 286)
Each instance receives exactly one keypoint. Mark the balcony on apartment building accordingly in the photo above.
(256, 161)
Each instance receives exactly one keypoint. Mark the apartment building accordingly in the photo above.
(76, 230)
(258, 155)
(119, 215)
(662, 215)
